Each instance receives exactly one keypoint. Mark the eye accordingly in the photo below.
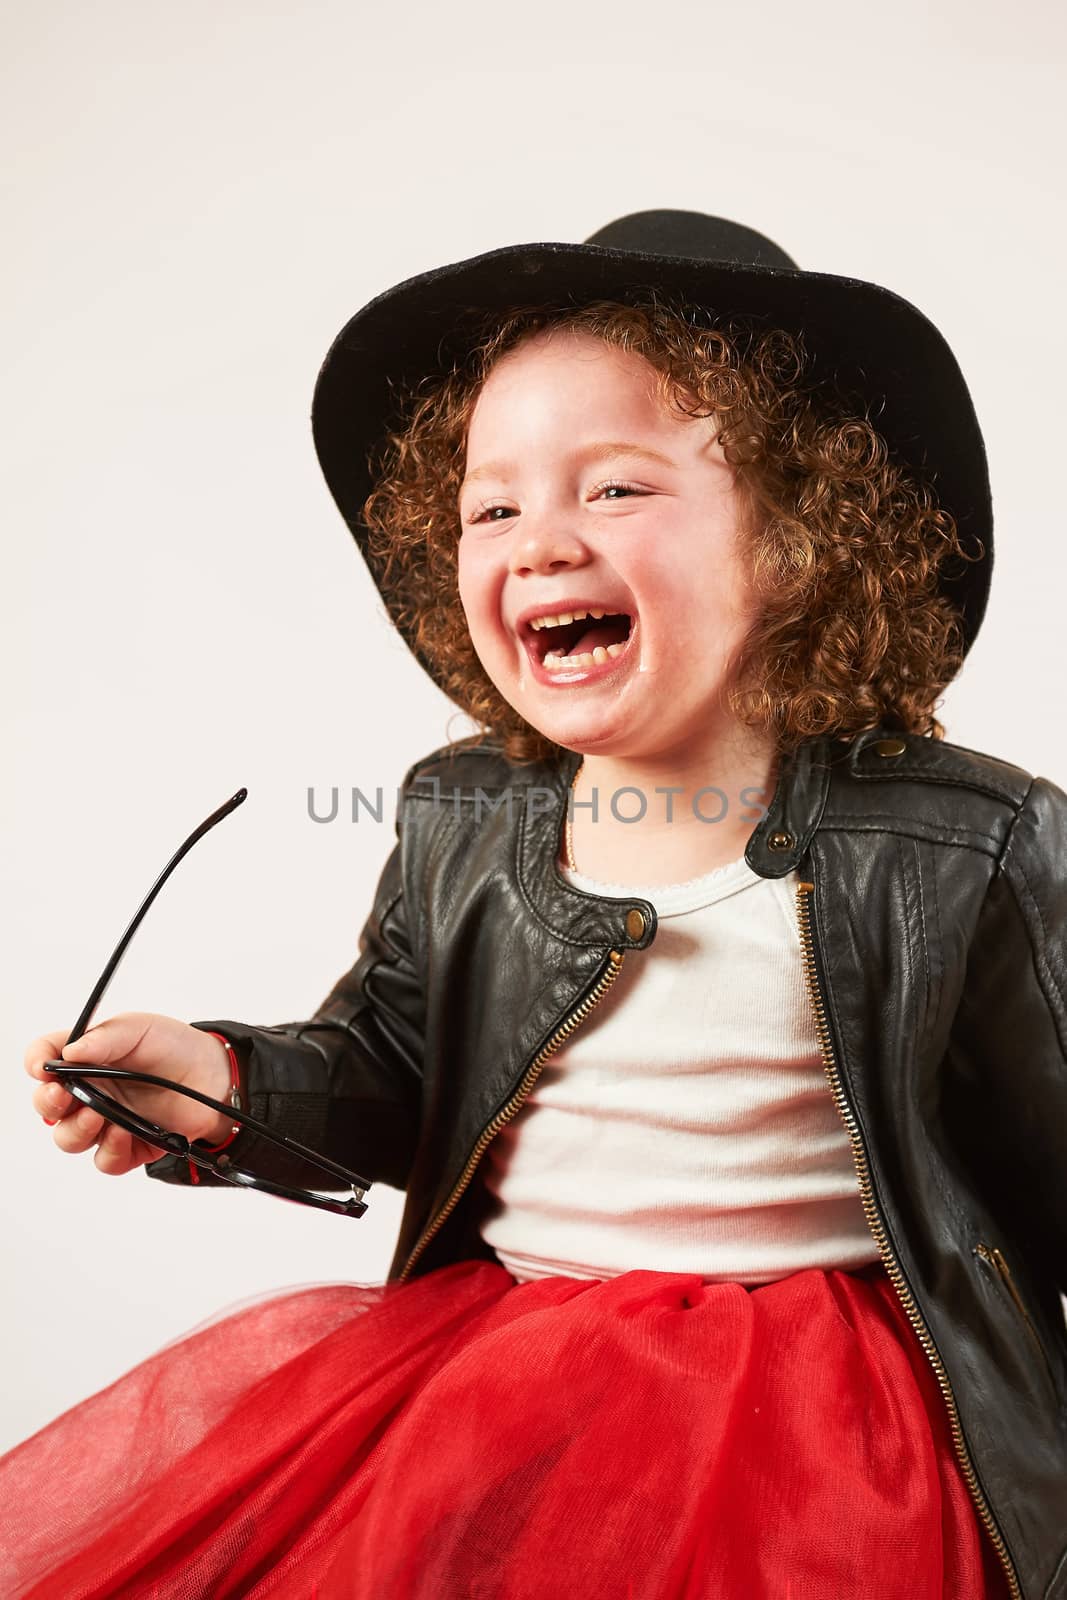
(485, 514)
(619, 488)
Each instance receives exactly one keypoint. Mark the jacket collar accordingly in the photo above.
(780, 839)
(777, 844)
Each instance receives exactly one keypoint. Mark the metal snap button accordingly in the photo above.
(781, 840)
(889, 747)
(635, 923)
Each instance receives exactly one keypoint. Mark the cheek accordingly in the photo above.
(463, 580)
(703, 605)
(670, 592)
(477, 592)
(470, 579)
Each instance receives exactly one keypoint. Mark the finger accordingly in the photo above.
(78, 1131)
(46, 1048)
(114, 1151)
(52, 1100)
(143, 1152)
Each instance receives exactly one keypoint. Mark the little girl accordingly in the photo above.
(712, 1009)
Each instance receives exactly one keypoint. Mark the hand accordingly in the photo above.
(141, 1042)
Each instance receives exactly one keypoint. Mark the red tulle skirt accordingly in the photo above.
(465, 1437)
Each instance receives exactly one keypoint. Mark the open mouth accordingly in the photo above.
(579, 640)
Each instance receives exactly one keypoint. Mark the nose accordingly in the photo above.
(546, 544)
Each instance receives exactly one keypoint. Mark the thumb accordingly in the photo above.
(106, 1043)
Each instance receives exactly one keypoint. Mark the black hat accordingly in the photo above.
(874, 346)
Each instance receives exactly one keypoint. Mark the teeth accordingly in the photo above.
(588, 658)
(564, 618)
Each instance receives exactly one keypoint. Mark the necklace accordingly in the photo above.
(568, 831)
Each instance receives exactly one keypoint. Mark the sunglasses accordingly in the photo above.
(72, 1074)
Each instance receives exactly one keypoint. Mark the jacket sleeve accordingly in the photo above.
(347, 1083)
(1010, 1034)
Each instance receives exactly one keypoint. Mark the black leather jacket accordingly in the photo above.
(932, 907)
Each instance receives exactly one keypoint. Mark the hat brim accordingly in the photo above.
(867, 341)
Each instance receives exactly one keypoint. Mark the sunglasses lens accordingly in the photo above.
(176, 1144)
(123, 1117)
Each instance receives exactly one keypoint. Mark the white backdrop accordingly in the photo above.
(197, 197)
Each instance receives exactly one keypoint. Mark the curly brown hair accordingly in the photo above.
(844, 546)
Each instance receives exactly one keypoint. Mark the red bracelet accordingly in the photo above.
(235, 1101)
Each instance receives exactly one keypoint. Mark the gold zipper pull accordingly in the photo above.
(995, 1258)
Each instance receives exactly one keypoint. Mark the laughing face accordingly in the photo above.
(599, 561)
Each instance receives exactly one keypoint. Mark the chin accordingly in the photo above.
(584, 731)
(586, 721)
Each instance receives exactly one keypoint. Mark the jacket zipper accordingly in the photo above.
(505, 1114)
(876, 1224)
(994, 1259)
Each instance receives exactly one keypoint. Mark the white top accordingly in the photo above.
(688, 1124)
